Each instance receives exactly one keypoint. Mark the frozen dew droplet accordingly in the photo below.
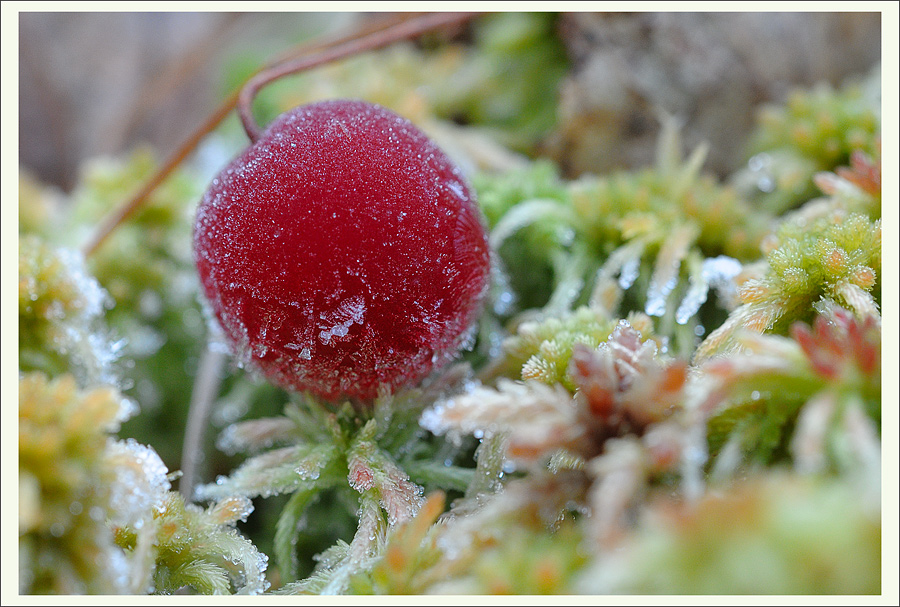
(693, 299)
(760, 167)
(656, 301)
(720, 272)
(232, 509)
(629, 272)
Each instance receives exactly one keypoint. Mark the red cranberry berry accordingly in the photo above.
(342, 252)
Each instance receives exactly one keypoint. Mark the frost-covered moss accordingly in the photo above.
(96, 514)
(655, 241)
(200, 548)
(814, 399)
(62, 326)
(65, 488)
(541, 349)
(368, 463)
(827, 251)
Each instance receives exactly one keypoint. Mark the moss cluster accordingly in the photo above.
(814, 130)
(777, 535)
(62, 324)
(65, 545)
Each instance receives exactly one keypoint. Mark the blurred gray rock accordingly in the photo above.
(708, 70)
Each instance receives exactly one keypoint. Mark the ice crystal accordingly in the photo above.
(141, 482)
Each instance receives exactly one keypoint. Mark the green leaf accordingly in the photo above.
(286, 530)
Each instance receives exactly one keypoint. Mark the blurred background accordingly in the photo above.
(100, 83)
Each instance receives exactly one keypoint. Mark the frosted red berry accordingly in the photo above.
(343, 251)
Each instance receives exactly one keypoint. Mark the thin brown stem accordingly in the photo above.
(206, 388)
(406, 29)
(130, 207)
(121, 214)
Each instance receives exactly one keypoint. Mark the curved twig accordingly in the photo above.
(406, 29)
(306, 50)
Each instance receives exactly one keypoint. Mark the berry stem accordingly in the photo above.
(206, 388)
(306, 50)
(408, 28)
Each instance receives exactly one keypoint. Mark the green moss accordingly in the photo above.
(827, 372)
(65, 546)
(542, 349)
(765, 536)
(814, 130)
(834, 257)
(202, 550)
(62, 327)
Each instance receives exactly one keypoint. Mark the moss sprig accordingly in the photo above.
(791, 399)
(200, 548)
(65, 492)
(373, 463)
(62, 307)
(834, 258)
(814, 130)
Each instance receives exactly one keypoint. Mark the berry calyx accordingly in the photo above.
(342, 252)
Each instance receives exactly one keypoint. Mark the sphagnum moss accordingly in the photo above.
(65, 545)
